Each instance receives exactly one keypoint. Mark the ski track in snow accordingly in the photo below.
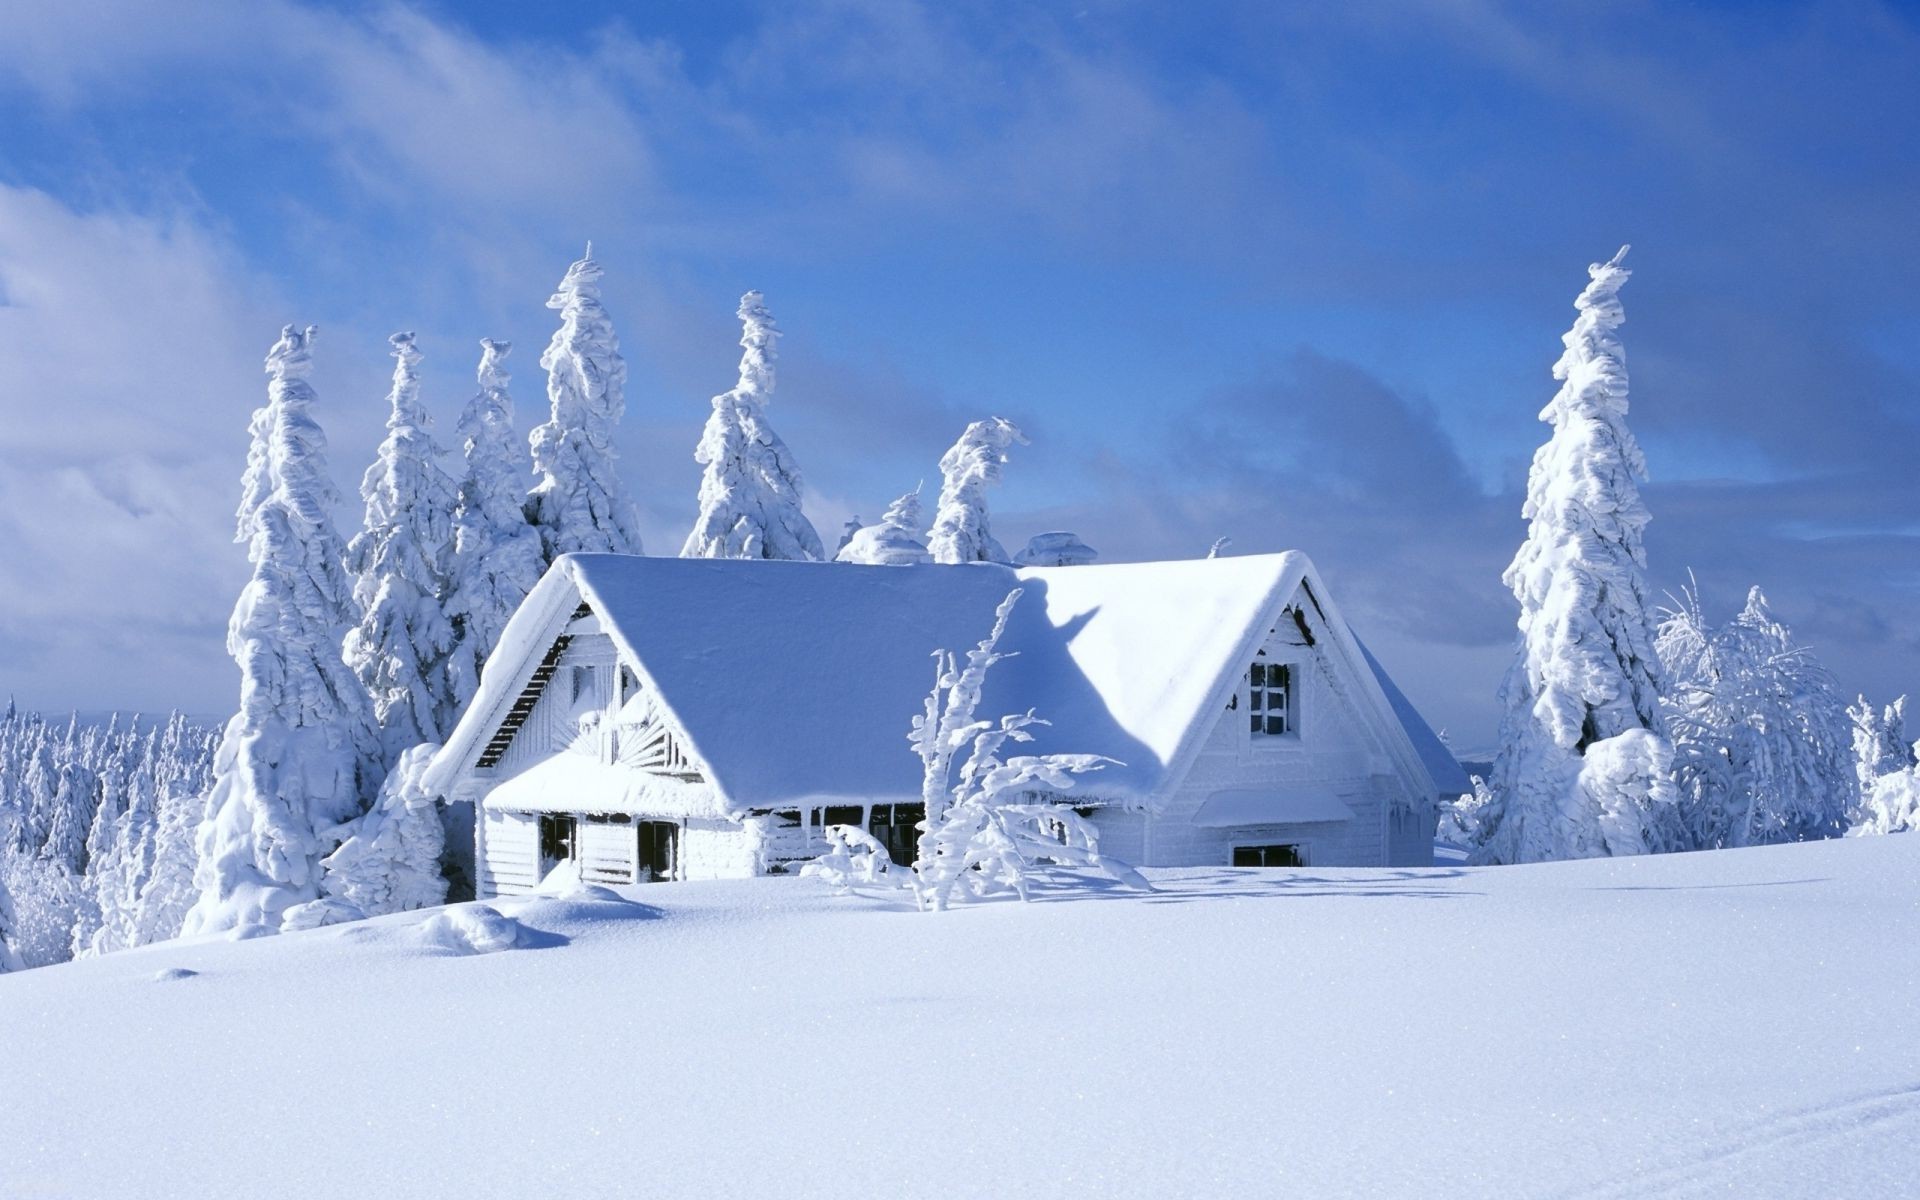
(1791, 1154)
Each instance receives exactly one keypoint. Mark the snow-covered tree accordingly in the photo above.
(853, 525)
(399, 562)
(990, 828)
(1056, 549)
(894, 542)
(1219, 547)
(961, 531)
(1586, 670)
(579, 505)
(9, 959)
(750, 491)
(1762, 743)
(497, 556)
(299, 756)
(1880, 745)
(391, 863)
(1891, 804)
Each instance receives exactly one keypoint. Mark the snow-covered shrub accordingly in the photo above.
(1891, 804)
(893, 542)
(1460, 818)
(853, 859)
(579, 505)
(961, 531)
(1762, 742)
(46, 898)
(391, 860)
(497, 556)
(1056, 549)
(301, 755)
(399, 562)
(1880, 745)
(750, 490)
(987, 830)
(1586, 670)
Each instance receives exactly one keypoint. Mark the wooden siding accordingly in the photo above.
(609, 850)
(510, 854)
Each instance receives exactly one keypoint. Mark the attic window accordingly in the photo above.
(629, 684)
(1270, 699)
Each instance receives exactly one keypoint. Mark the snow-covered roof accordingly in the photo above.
(1448, 775)
(795, 682)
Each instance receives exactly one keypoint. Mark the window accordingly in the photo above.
(629, 684)
(1270, 856)
(582, 683)
(658, 842)
(897, 827)
(841, 814)
(556, 839)
(1270, 699)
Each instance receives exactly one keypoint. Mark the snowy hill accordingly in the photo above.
(1735, 1023)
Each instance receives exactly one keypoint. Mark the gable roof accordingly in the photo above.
(794, 683)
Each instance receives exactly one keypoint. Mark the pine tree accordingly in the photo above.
(399, 561)
(750, 491)
(578, 505)
(961, 530)
(1586, 670)
(894, 542)
(392, 861)
(1880, 745)
(299, 756)
(496, 554)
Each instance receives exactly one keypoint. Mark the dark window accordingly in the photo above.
(842, 814)
(629, 684)
(1270, 699)
(659, 841)
(557, 839)
(1269, 856)
(897, 827)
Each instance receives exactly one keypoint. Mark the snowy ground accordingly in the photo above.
(1743, 1023)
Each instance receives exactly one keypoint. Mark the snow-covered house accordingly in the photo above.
(656, 718)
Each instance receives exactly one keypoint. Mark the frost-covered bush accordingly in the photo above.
(853, 859)
(1586, 671)
(1880, 745)
(1460, 818)
(391, 860)
(893, 542)
(578, 505)
(961, 531)
(987, 829)
(1891, 804)
(750, 490)
(1762, 742)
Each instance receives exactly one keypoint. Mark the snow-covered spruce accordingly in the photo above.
(301, 754)
(1586, 669)
(391, 863)
(750, 490)
(399, 562)
(989, 829)
(961, 531)
(894, 541)
(1056, 549)
(496, 554)
(579, 505)
(1762, 743)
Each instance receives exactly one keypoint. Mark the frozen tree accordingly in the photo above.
(1891, 804)
(496, 554)
(9, 959)
(960, 528)
(854, 858)
(1880, 745)
(894, 542)
(399, 562)
(1586, 670)
(392, 861)
(989, 828)
(1057, 549)
(1762, 744)
(298, 757)
(578, 504)
(76, 796)
(750, 491)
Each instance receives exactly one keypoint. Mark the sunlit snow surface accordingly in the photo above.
(1743, 1023)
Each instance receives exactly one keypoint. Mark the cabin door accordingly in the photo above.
(659, 851)
(559, 838)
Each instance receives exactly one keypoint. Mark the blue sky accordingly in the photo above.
(1291, 273)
